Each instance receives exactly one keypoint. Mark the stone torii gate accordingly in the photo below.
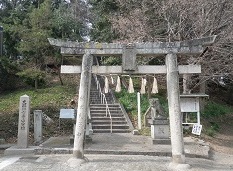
(129, 53)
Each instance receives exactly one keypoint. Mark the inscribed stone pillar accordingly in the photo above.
(82, 111)
(37, 126)
(24, 121)
(174, 109)
(129, 57)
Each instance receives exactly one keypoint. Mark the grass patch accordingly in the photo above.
(129, 101)
(49, 100)
(216, 110)
(54, 97)
(213, 116)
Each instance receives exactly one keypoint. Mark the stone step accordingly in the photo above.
(99, 122)
(104, 111)
(95, 96)
(109, 101)
(101, 105)
(108, 126)
(104, 106)
(107, 118)
(103, 115)
(109, 130)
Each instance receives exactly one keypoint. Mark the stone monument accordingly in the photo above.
(160, 124)
(22, 147)
(24, 120)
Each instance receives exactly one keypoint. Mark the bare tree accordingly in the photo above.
(177, 20)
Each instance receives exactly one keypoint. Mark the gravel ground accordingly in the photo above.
(219, 162)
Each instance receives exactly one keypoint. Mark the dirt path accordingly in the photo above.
(223, 141)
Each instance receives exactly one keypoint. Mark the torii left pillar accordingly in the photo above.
(78, 150)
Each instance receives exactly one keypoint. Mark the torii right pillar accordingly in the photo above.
(178, 156)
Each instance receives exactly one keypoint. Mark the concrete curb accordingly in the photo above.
(119, 144)
(42, 151)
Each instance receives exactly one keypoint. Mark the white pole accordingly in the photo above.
(139, 111)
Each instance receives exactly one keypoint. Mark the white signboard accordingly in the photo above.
(189, 104)
(67, 113)
(196, 129)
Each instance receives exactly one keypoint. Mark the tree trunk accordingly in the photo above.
(202, 91)
(59, 75)
(36, 84)
(186, 88)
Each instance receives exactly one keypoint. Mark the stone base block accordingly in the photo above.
(179, 166)
(88, 139)
(71, 139)
(135, 132)
(90, 131)
(14, 150)
(161, 141)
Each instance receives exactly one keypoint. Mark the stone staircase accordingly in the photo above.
(102, 123)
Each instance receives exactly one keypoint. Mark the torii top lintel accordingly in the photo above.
(193, 46)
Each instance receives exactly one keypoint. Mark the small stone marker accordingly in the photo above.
(37, 126)
(196, 129)
(24, 119)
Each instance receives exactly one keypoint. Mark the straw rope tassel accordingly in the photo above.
(112, 80)
(130, 88)
(143, 86)
(106, 86)
(118, 86)
(155, 86)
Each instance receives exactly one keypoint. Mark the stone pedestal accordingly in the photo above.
(160, 131)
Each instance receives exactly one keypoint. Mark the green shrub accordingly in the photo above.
(213, 109)
(210, 132)
(30, 75)
(212, 129)
(129, 101)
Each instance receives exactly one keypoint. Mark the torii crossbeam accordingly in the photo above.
(129, 53)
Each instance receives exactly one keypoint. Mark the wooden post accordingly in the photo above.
(186, 88)
(78, 151)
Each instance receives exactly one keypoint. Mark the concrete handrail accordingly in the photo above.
(107, 109)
